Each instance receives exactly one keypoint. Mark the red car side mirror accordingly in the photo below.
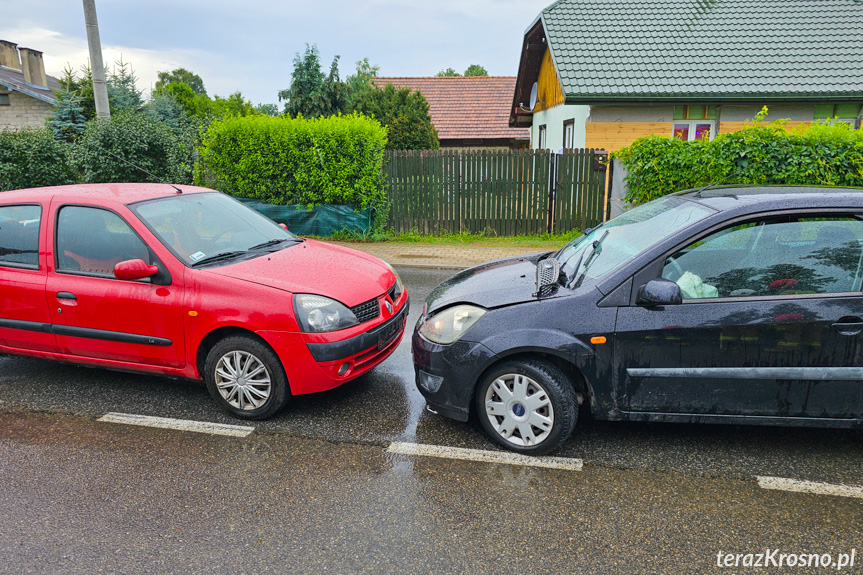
(284, 226)
(134, 270)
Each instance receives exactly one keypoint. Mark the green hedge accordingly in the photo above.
(334, 160)
(820, 154)
(32, 158)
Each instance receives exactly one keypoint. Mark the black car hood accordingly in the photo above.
(490, 285)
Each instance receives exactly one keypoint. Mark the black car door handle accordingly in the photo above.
(66, 295)
(848, 326)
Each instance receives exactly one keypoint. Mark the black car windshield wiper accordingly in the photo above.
(275, 242)
(594, 250)
(217, 257)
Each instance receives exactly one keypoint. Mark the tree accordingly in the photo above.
(472, 70)
(405, 114)
(67, 119)
(267, 109)
(361, 83)
(122, 92)
(181, 76)
(475, 70)
(233, 105)
(307, 82)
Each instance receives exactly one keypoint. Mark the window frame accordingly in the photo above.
(7, 100)
(541, 137)
(569, 125)
(23, 266)
(653, 270)
(162, 277)
(692, 124)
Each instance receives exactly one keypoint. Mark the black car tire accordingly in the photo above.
(547, 408)
(230, 361)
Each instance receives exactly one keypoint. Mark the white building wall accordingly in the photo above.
(553, 119)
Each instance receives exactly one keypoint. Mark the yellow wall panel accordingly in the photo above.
(729, 127)
(612, 136)
(549, 91)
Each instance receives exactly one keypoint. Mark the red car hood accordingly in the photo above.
(349, 276)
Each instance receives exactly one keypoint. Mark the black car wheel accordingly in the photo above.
(246, 378)
(527, 406)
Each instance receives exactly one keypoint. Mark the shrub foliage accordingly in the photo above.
(32, 158)
(121, 148)
(333, 160)
(819, 154)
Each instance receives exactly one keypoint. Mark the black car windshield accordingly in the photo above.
(628, 235)
(211, 226)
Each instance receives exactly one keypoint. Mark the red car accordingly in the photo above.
(188, 282)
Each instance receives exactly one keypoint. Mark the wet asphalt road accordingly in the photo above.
(315, 490)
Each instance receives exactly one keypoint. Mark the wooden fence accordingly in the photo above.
(502, 193)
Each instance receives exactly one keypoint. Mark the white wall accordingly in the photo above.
(554, 119)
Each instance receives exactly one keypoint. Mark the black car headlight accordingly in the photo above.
(316, 313)
(449, 325)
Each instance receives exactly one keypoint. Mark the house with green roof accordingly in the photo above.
(602, 73)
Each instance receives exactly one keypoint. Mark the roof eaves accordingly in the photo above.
(43, 97)
(713, 98)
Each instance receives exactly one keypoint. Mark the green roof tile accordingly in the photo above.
(707, 48)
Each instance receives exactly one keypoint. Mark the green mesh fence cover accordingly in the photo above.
(320, 221)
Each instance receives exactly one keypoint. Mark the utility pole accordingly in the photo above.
(100, 88)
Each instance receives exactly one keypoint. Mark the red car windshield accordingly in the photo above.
(209, 226)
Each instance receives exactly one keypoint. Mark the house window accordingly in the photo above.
(542, 145)
(689, 130)
(568, 134)
(4, 99)
(694, 123)
(836, 113)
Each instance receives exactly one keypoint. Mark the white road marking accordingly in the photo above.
(814, 487)
(178, 424)
(565, 463)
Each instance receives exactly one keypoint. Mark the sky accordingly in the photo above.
(250, 45)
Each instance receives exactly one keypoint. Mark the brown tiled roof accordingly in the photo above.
(466, 108)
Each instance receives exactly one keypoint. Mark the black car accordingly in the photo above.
(721, 305)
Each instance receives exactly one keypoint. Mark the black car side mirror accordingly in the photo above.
(659, 292)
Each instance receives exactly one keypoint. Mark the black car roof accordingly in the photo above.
(755, 198)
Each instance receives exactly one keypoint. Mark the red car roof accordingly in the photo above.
(124, 193)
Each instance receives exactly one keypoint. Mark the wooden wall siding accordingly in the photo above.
(549, 90)
(613, 136)
(729, 127)
(503, 193)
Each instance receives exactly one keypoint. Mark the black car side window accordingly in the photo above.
(772, 257)
(93, 241)
(19, 236)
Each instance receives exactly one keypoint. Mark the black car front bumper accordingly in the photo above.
(460, 364)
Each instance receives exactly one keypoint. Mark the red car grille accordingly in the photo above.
(367, 311)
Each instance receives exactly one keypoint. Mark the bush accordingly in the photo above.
(32, 158)
(334, 160)
(131, 147)
(819, 154)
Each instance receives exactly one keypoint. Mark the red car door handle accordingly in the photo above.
(66, 295)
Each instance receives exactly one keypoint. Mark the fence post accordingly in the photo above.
(552, 190)
(460, 211)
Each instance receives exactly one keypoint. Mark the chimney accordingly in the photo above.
(33, 67)
(9, 55)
